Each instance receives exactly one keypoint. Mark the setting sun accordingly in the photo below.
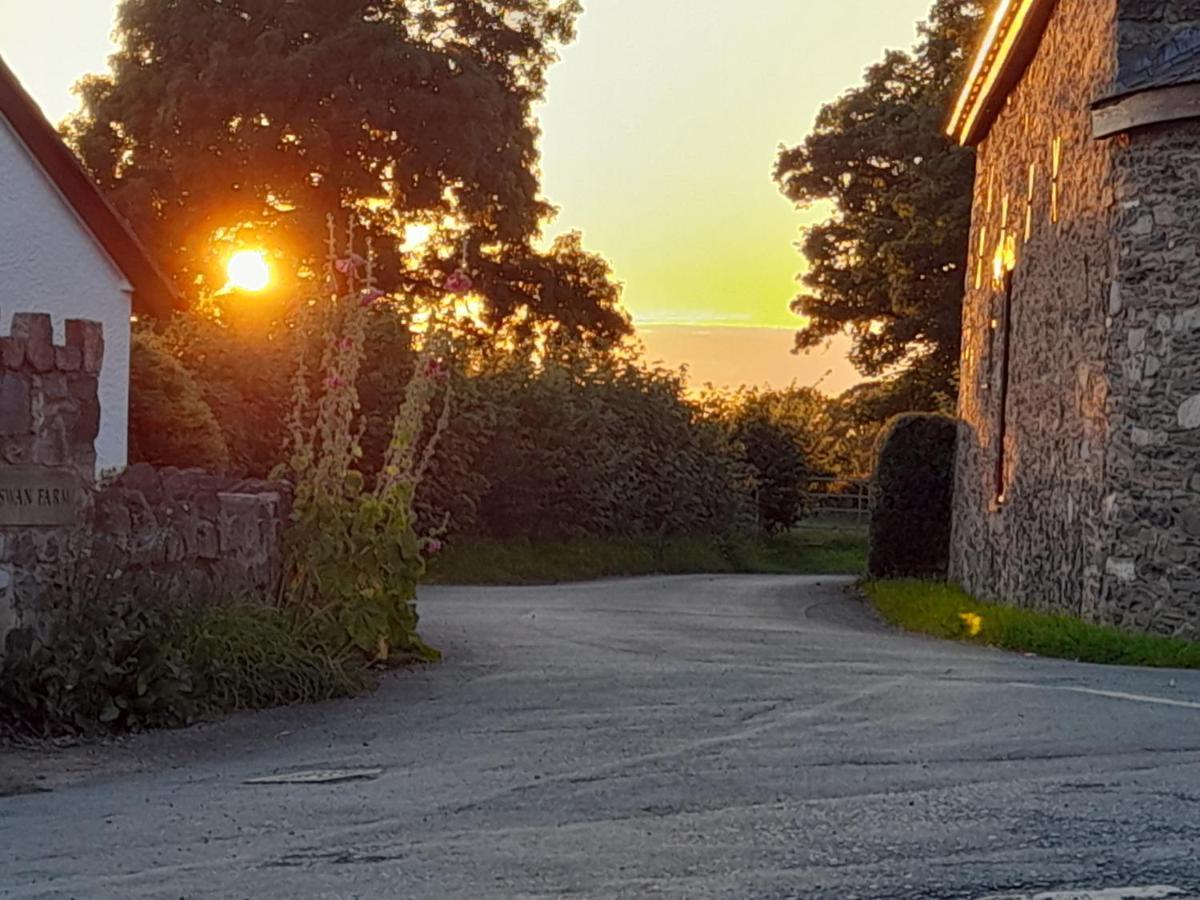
(248, 271)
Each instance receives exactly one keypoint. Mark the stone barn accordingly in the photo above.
(1078, 479)
(66, 253)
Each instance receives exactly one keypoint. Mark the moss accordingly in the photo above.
(947, 611)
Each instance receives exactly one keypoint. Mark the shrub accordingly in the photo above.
(107, 665)
(118, 665)
(244, 376)
(594, 445)
(780, 471)
(911, 497)
(170, 422)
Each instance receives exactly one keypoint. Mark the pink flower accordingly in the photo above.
(371, 297)
(437, 370)
(346, 344)
(432, 546)
(459, 282)
(350, 265)
(335, 381)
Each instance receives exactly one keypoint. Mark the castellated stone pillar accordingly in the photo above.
(49, 419)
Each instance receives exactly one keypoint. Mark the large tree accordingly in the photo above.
(888, 265)
(235, 122)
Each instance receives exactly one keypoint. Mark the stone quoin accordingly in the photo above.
(1078, 475)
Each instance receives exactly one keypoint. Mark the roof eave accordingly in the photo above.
(1008, 46)
(153, 292)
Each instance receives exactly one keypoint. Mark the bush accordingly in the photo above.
(118, 666)
(595, 445)
(779, 467)
(170, 422)
(911, 497)
(244, 375)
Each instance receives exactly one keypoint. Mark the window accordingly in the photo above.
(1005, 329)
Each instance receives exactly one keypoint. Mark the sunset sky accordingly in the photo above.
(661, 128)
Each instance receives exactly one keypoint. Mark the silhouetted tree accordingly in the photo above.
(226, 122)
(888, 266)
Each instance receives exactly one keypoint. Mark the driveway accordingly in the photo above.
(734, 737)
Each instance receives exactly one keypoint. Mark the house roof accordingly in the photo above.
(153, 292)
(1009, 44)
(1175, 63)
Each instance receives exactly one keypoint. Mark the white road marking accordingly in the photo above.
(1112, 695)
(1154, 892)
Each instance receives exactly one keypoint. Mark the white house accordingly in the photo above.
(66, 252)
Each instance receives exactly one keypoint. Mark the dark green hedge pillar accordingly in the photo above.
(912, 496)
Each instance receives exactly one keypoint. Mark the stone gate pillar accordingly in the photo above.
(49, 419)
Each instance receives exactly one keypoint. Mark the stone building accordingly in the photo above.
(1078, 480)
(65, 252)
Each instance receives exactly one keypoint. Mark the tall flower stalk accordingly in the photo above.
(355, 554)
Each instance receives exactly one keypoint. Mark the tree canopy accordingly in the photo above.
(888, 265)
(227, 123)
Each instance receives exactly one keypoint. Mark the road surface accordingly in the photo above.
(698, 737)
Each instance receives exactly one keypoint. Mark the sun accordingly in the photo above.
(248, 271)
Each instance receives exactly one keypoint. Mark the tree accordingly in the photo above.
(227, 123)
(170, 421)
(888, 266)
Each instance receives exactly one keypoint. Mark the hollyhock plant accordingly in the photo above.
(349, 265)
(354, 552)
(459, 282)
(437, 370)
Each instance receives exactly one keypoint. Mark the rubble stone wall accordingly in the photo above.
(1038, 537)
(1152, 579)
(155, 536)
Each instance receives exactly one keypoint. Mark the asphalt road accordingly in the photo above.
(733, 737)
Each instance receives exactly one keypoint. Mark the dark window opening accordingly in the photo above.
(1005, 324)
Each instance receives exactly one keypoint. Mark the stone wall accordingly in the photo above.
(157, 536)
(49, 403)
(1151, 32)
(1044, 543)
(1153, 574)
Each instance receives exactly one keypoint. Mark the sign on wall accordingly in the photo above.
(38, 496)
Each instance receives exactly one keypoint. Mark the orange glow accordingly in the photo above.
(991, 57)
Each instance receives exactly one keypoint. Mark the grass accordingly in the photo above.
(818, 548)
(946, 611)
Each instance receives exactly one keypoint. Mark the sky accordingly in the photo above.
(660, 131)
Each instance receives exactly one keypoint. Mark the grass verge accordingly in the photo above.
(818, 549)
(947, 611)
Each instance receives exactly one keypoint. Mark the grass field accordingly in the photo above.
(948, 612)
(819, 548)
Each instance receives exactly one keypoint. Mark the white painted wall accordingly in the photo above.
(51, 263)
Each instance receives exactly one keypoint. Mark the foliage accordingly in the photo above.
(170, 421)
(354, 556)
(227, 125)
(112, 663)
(242, 374)
(889, 265)
(108, 664)
(946, 611)
(781, 473)
(594, 444)
(911, 497)
(819, 548)
(251, 658)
